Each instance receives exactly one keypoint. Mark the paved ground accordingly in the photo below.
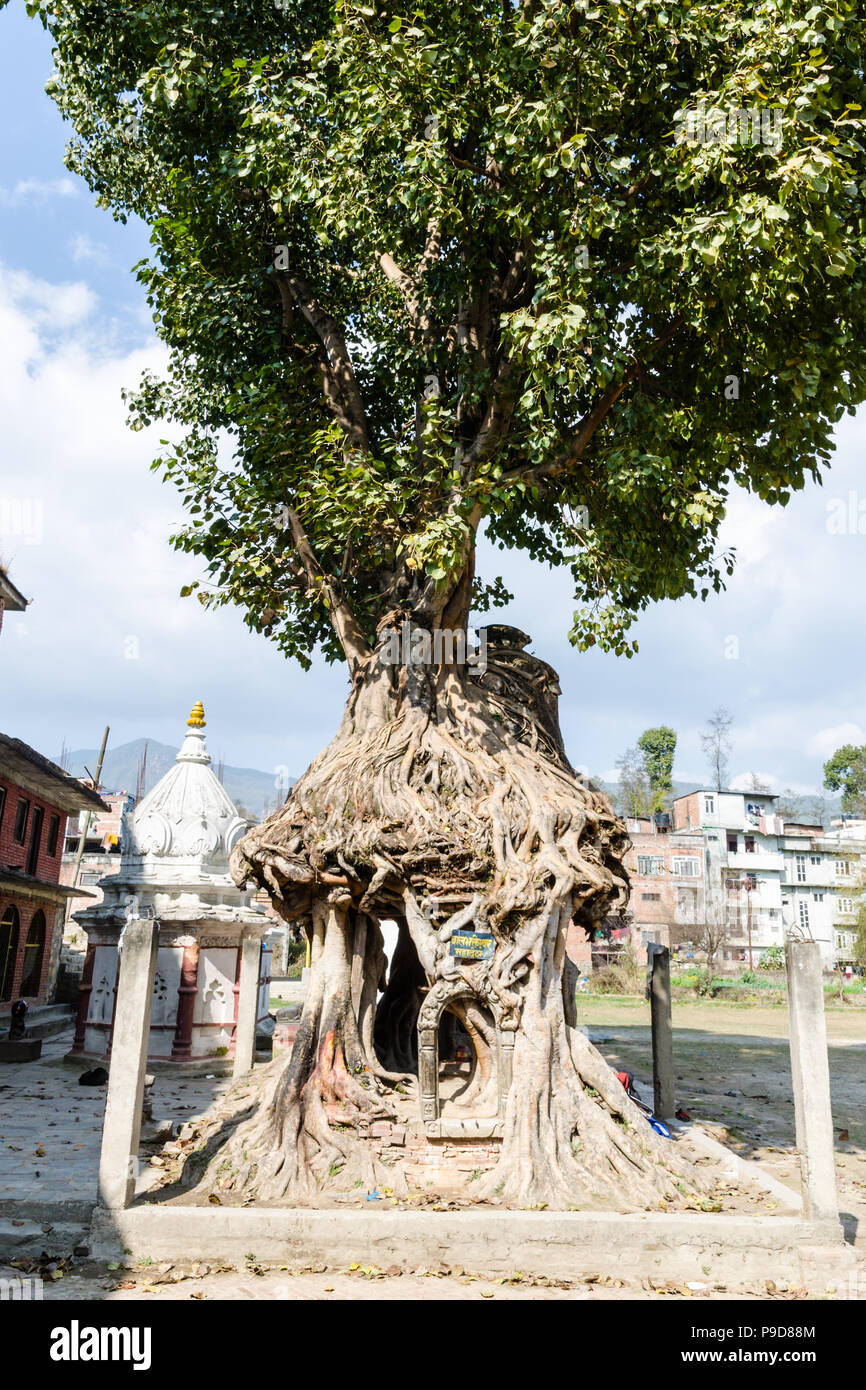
(733, 1075)
(51, 1126)
(167, 1282)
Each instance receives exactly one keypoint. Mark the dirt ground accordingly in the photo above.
(734, 1077)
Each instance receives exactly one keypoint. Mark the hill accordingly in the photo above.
(247, 786)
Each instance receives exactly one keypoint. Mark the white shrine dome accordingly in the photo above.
(188, 814)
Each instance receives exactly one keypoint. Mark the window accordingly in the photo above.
(8, 950)
(648, 937)
(803, 908)
(650, 865)
(750, 844)
(709, 805)
(88, 879)
(53, 834)
(651, 897)
(732, 844)
(800, 861)
(843, 868)
(34, 949)
(686, 868)
(846, 906)
(816, 860)
(2, 804)
(22, 812)
(35, 840)
(817, 897)
(750, 881)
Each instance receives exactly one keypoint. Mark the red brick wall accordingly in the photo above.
(27, 909)
(12, 854)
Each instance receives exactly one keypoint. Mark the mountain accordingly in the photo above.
(247, 786)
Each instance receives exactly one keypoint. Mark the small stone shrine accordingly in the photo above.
(175, 869)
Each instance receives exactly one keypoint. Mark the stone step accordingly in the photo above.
(36, 1225)
(45, 1020)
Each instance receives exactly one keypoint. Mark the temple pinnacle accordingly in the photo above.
(196, 717)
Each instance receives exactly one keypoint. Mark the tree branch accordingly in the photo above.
(342, 391)
(343, 620)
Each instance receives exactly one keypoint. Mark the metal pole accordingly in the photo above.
(76, 867)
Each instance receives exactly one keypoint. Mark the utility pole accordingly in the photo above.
(76, 868)
(748, 883)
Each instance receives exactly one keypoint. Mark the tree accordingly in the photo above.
(790, 805)
(633, 796)
(715, 928)
(424, 273)
(756, 783)
(658, 747)
(846, 772)
(716, 743)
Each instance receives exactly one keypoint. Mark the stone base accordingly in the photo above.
(197, 1066)
(556, 1244)
(21, 1050)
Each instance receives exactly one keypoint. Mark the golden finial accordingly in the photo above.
(196, 716)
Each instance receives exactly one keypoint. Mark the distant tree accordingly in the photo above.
(818, 810)
(790, 805)
(754, 783)
(658, 747)
(716, 743)
(715, 927)
(860, 938)
(846, 772)
(633, 796)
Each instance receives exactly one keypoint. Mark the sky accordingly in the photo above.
(85, 526)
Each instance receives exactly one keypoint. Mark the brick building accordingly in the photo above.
(667, 870)
(36, 797)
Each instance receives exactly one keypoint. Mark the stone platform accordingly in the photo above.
(558, 1244)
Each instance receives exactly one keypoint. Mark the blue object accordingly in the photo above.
(372, 1196)
(660, 1128)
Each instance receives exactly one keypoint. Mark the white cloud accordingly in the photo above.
(37, 190)
(29, 303)
(84, 248)
(826, 741)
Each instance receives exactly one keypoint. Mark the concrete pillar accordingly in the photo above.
(122, 1125)
(248, 1001)
(811, 1075)
(662, 1031)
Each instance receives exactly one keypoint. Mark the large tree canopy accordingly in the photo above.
(508, 293)
(419, 272)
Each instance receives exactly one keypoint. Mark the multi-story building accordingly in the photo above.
(730, 856)
(668, 877)
(36, 797)
(100, 857)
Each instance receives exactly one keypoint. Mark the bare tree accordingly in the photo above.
(716, 743)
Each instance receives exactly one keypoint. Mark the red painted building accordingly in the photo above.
(36, 797)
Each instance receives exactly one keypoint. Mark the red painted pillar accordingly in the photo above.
(84, 990)
(181, 1048)
(236, 992)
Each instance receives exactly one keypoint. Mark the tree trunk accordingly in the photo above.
(446, 802)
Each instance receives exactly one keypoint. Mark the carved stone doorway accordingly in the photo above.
(440, 998)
